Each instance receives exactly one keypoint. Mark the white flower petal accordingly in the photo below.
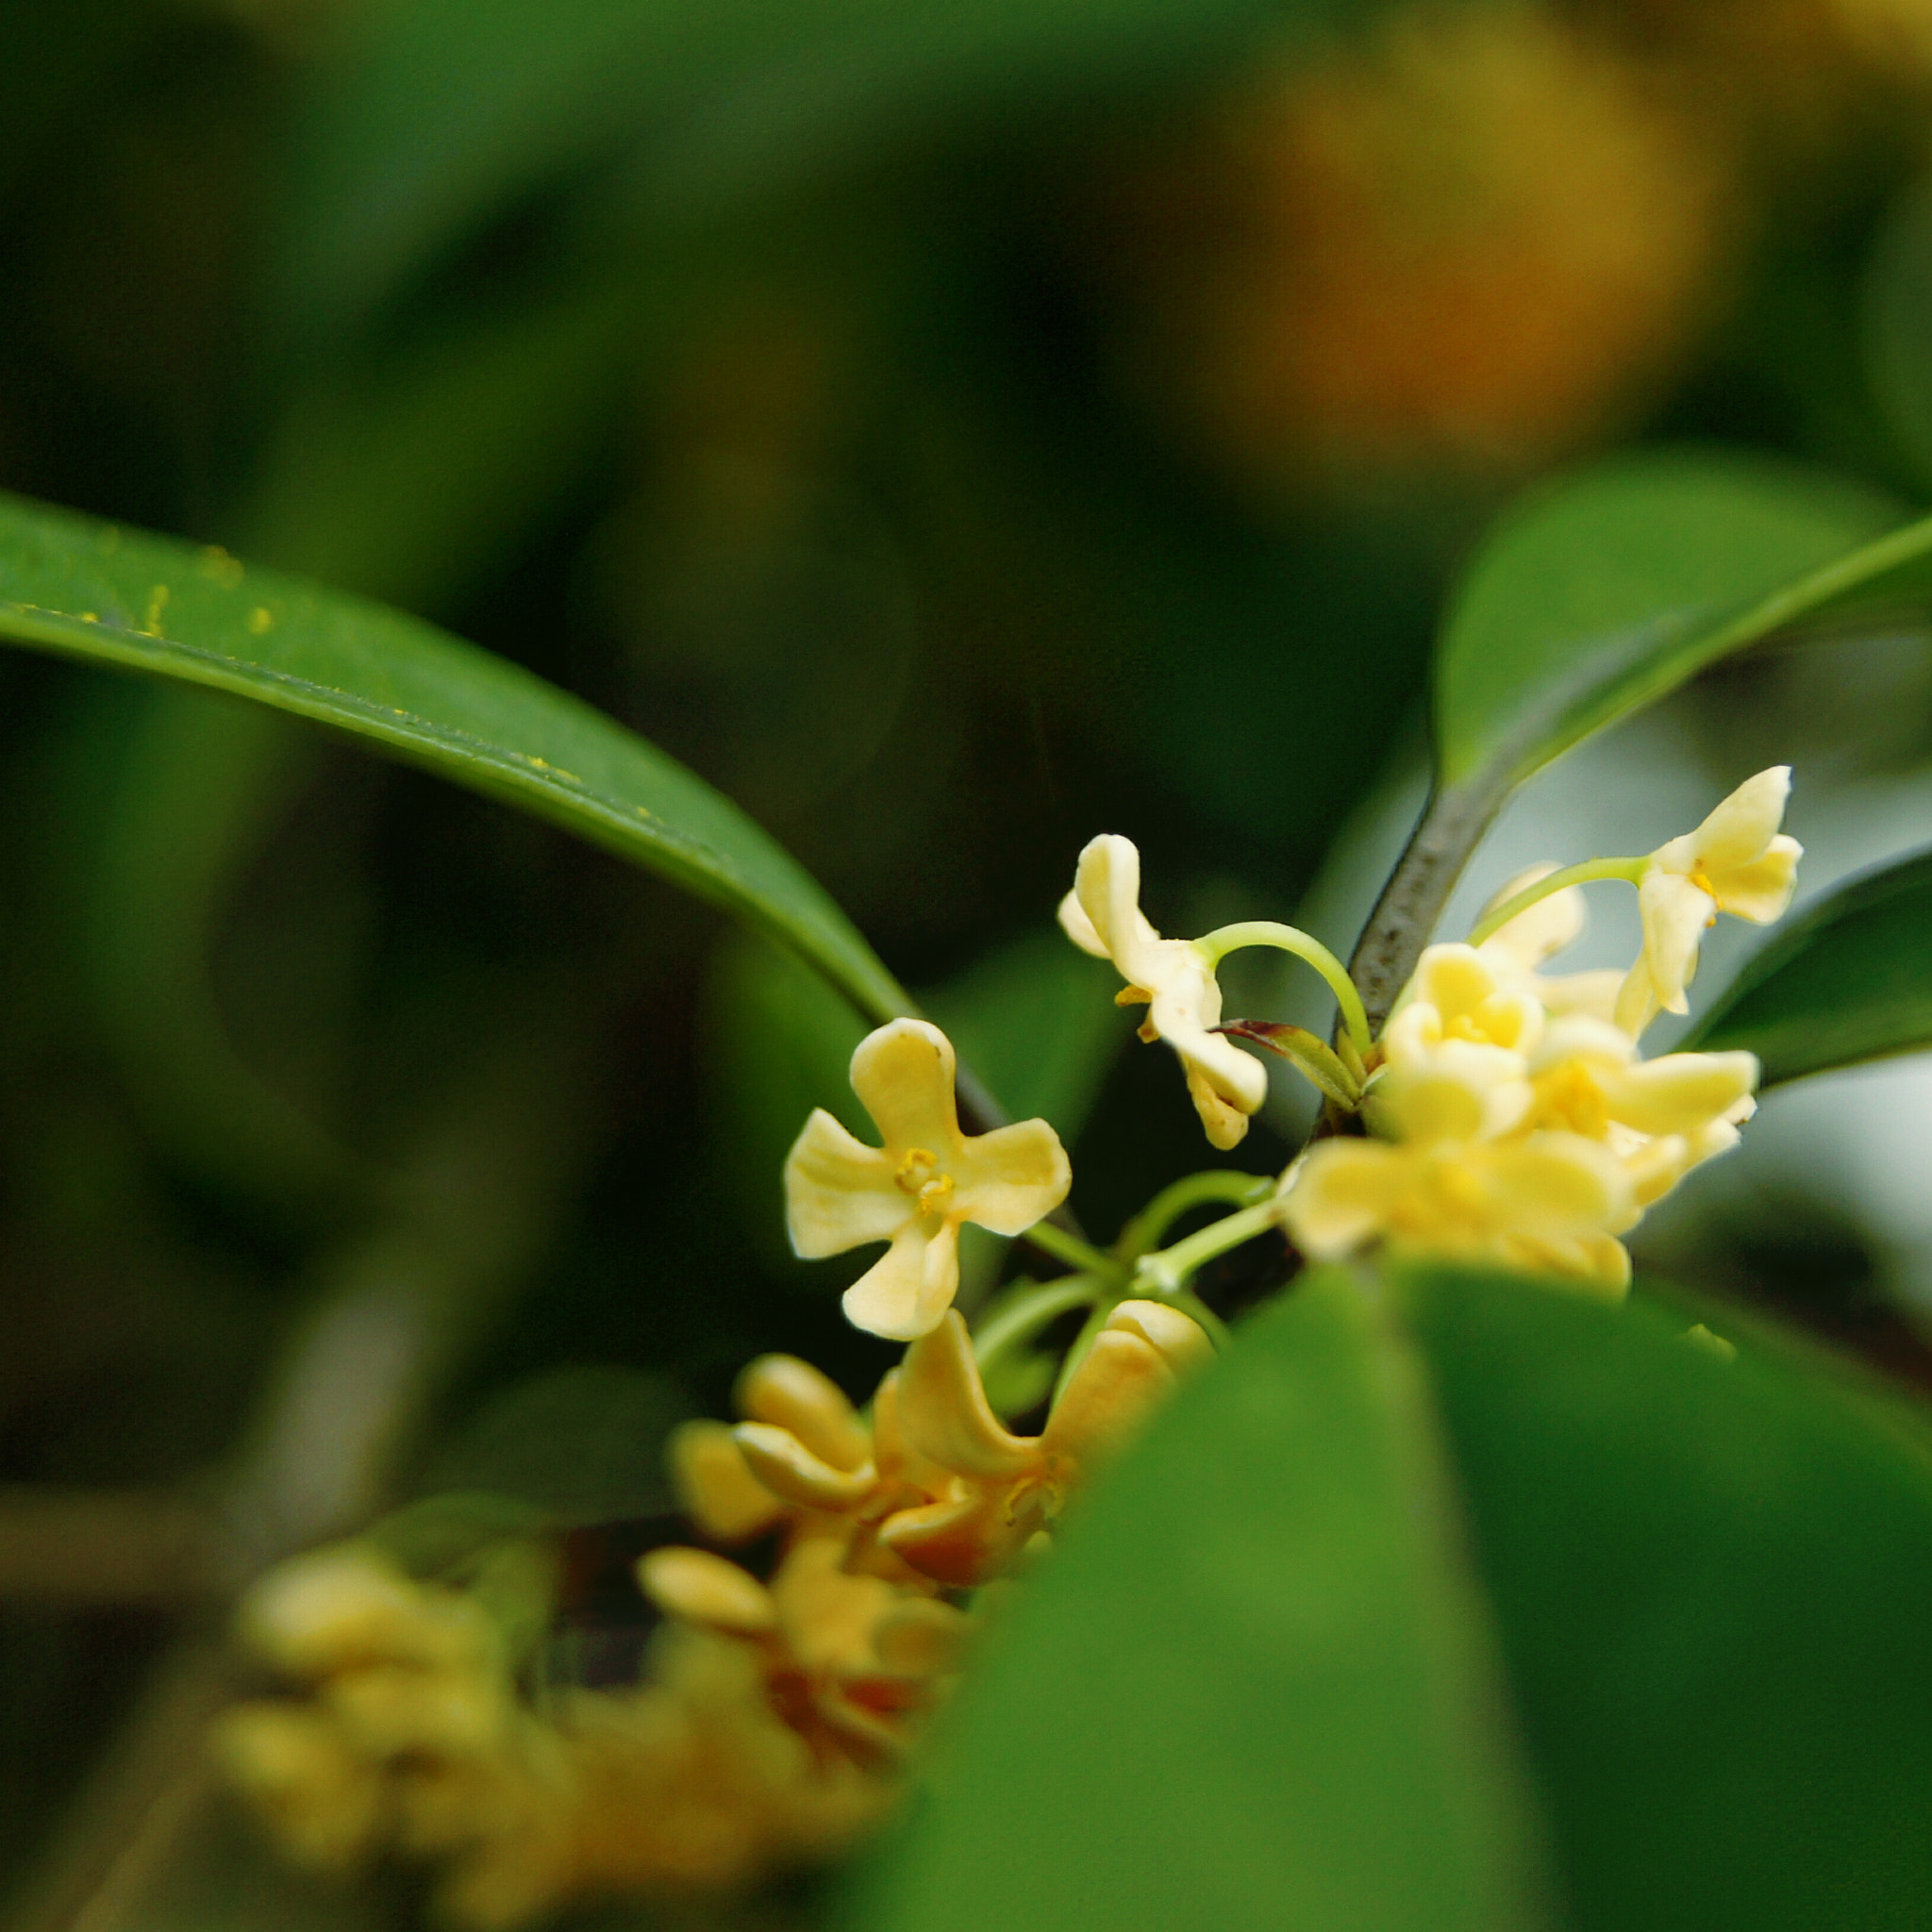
(1079, 929)
(838, 1191)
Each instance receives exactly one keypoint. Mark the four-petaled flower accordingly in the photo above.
(916, 1189)
(1736, 862)
(1173, 978)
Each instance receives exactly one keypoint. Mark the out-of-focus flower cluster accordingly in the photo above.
(774, 1720)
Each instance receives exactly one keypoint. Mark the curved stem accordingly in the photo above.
(1216, 1184)
(1067, 1247)
(1164, 1274)
(1216, 946)
(1498, 917)
(1027, 1314)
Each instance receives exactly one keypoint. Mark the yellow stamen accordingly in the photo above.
(935, 1194)
(916, 1171)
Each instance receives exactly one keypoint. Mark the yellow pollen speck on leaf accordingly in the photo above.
(259, 620)
(222, 569)
(89, 617)
(156, 604)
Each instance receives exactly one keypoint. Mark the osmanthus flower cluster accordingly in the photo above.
(1505, 1113)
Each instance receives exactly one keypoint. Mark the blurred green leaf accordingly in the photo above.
(402, 477)
(1607, 592)
(1849, 981)
(1035, 1020)
(448, 111)
(86, 590)
(1710, 1579)
(188, 789)
(1896, 303)
(578, 1445)
(1252, 1688)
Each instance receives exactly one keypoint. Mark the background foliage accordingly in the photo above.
(951, 429)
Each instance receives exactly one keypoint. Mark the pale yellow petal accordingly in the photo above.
(1761, 890)
(1340, 1194)
(1012, 1177)
(945, 1415)
(902, 1075)
(1079, 929)
(319, 1795)
(794, 1396)
(1636, 1001)
(1744, 824)
(1181, 1339)
(1225, 1125)
(705, 1589)
(1554, 1185)
(961, 1542)
(889, 1298)
(1681, 1093)
(1602, 1047)
(840, 1192)
(1587, 996)
(788, 1470)
(1105, 1404)
(715, 1486)
(1544, 928)
(1676, 914)
(921, 1637)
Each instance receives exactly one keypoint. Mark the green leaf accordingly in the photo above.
(1710, 1581)
(91, 591)
(1599, 596)
(1253, 1686)
(1849, 981)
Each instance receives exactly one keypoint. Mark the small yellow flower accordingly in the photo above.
(917, 1190)
(1736, 862)
(1553, 1202)
(1008, 1488)
(1173, 978)
(1661, 1117)
(1518, 950)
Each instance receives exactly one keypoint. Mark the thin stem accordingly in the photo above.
(1216, 946)
(1027, 1314)
(1067, 1247)
(1216, 1184)
(1164, 1274)
(1495, 919)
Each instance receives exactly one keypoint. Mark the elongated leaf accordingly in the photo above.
(109, 596)
(1849, 981)
(1601, 596)
(1614, 587)
(1709, 1578)
(1252, 1689)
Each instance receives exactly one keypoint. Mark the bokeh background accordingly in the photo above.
(954, 427)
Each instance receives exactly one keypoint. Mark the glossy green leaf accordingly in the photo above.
(1604, 592)
(124, 598)
(1710, 1580)
(1851, 980)
(1253, 1688)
